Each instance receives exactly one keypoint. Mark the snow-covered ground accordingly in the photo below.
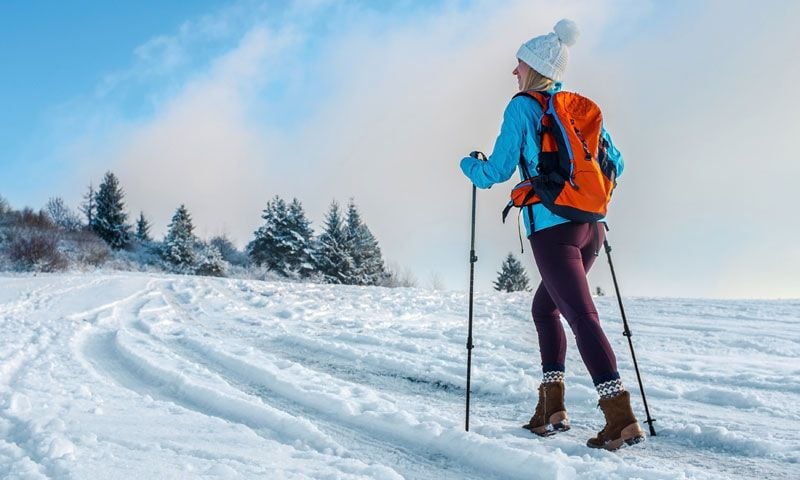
(134, 376)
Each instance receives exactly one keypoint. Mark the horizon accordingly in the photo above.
(208, 105)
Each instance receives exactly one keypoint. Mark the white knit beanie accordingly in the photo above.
(548, 54)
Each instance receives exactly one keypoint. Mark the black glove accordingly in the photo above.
(478, 155)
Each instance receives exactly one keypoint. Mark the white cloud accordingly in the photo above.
(390, 104)
(409, 103)
(701, 114)
(202, 150)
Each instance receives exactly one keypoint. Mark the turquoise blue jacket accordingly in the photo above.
(518, 134)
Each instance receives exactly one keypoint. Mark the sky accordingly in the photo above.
(222, 105)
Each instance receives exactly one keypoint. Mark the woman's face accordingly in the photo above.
(521, 71)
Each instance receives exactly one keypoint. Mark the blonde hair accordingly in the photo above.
(537, 82)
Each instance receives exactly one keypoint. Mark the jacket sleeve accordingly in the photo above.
(613, 153)
(504, 159)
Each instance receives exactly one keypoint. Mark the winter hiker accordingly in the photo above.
(575, 170)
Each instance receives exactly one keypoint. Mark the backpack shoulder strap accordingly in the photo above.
(540, 97)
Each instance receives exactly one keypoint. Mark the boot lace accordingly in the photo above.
(540, 407)
(601, 433)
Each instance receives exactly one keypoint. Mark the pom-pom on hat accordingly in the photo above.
(548, 54)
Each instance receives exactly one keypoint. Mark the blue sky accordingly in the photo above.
(221, 105)
(54, 51)
(62, 53)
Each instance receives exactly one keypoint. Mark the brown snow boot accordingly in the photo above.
(550, 415)
(621, 424)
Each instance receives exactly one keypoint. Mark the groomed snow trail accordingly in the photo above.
(157, 376)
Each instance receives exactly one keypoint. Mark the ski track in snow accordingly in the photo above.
(166, 376)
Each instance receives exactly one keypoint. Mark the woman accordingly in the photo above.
(564, 251)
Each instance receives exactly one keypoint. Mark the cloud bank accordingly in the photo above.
(329, 100)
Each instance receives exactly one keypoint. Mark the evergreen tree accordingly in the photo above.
(88, 206)
(599, 292)
(109, 221)
(512, 276)
(269, 247)
(283, 243)
(209, 261)
(299, 240)
(178, 248)
(143, 229)
(368, 267)
(228, 250)
(332, 256)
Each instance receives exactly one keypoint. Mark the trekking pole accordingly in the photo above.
(472, 259)
(627, 333)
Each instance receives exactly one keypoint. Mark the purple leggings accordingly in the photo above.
(564, 254)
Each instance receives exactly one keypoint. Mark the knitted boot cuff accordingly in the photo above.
(553, 376)
(610, 389)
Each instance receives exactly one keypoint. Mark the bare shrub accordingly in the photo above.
(4, 206)
(89, 248)
(28, 219)
(435, 281)
(399, 277)
(61, 215)
(36, 251)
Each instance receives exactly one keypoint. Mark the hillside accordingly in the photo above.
(157, 376)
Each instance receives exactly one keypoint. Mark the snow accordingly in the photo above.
(130, 375)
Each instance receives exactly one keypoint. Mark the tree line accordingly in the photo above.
(344, 252)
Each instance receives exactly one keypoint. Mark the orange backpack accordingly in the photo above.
(574, 177)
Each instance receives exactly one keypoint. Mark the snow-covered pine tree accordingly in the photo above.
(512, 276)
(599, 292)
(178, 247)
(228, 250)
(209, 261)
(300, 240)
(109, 221)
(270, 247)
(283, 243)
(142, 229)
(368, 267)
(332, 256)
(88, 206)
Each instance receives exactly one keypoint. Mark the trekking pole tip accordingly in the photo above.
(650, 424)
